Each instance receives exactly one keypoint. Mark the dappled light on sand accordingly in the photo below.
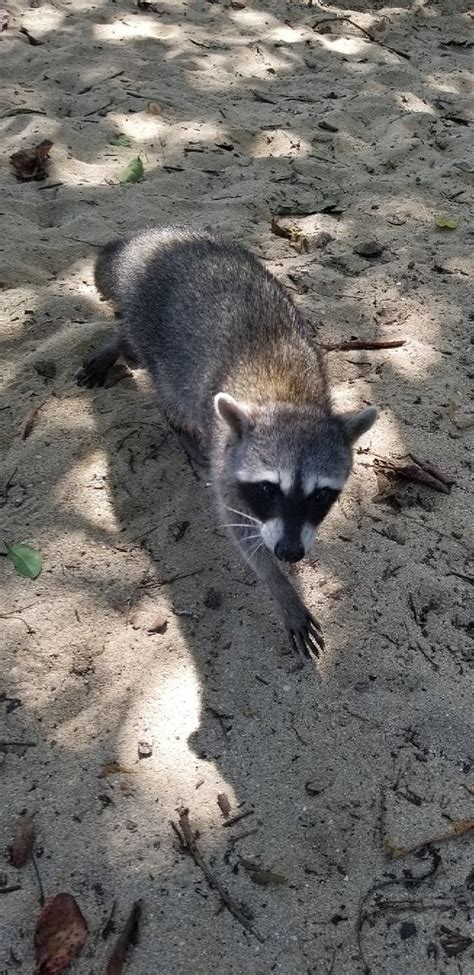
(143, 670)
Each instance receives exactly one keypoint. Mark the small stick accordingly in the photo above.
(17, 744)
(236, 819)
(188, 843)
(460, 828)
(13, 615)
(10, 890)
(31, 422)
(364, 344)
(40, 882)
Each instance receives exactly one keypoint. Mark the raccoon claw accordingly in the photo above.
(308, 640)
(92, 373)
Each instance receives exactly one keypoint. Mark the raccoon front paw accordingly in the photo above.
(304, 632)
(93, 372)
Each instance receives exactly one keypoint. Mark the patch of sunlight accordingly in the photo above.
(254, 18)
(84, 489)
(141, 126)
(278, 142)
(145, 27)
(344, 45)
(459, 83)
(42, 20)
(171, 710)
(416, 359)
(409, 102)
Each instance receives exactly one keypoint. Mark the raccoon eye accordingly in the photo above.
(268, 490)
(323, 494)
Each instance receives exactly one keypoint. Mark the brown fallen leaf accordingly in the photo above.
(420, 473)
(262, 876)
(224, 804)
(31, 163)
(60, 935)
(452, 942)
(115, 768)
(23, 841)
(127, 939)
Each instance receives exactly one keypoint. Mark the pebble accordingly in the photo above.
(369, 248)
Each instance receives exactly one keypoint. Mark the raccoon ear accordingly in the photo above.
(237, 415)
(355, 424)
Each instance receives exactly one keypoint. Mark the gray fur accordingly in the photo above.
(204, 317)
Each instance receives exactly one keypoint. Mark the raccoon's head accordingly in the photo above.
(287, 465)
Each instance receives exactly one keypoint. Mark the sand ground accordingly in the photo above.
(363, 123)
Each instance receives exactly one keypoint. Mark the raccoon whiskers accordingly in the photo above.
(250, 555)
(243, 514)
(238, 524)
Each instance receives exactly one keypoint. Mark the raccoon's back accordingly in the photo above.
(181, 289)
(200, 311)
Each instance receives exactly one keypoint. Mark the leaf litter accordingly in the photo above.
(28, 561)
(60, 935)
(23, 841)
(30, 164)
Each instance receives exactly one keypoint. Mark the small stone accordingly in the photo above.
(45, 368)
(145, 749)
(158, 625)
(213, 599)
(327, 126)
(238, 4)
(369, 248)
(322, 239)
(407, 930)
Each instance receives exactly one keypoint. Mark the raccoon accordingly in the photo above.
(243, 384)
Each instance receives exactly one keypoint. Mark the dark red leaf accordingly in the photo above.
(61, 933)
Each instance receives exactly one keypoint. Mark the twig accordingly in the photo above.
(238, 816)
(101, 81)
(433, 663)
(409, 904)
(128, 938)
(465, 578)
(189, 845)
(363, 344)
(30, 423)
(460, 828)
(10, 890)
(243, 836)
(14, 615)
(17, 744)
(38, 878)
(393, 50)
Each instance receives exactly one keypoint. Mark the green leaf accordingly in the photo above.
(120, 140)
(27, 561)
(446, 223)
(132, 173)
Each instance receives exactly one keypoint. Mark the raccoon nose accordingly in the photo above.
(289, 551)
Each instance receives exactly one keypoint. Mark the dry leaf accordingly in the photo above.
(224, 804)
(60, 935)
(127, 939)
(262, 876)
(23, 841)
(31, 163)
(115, 768)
